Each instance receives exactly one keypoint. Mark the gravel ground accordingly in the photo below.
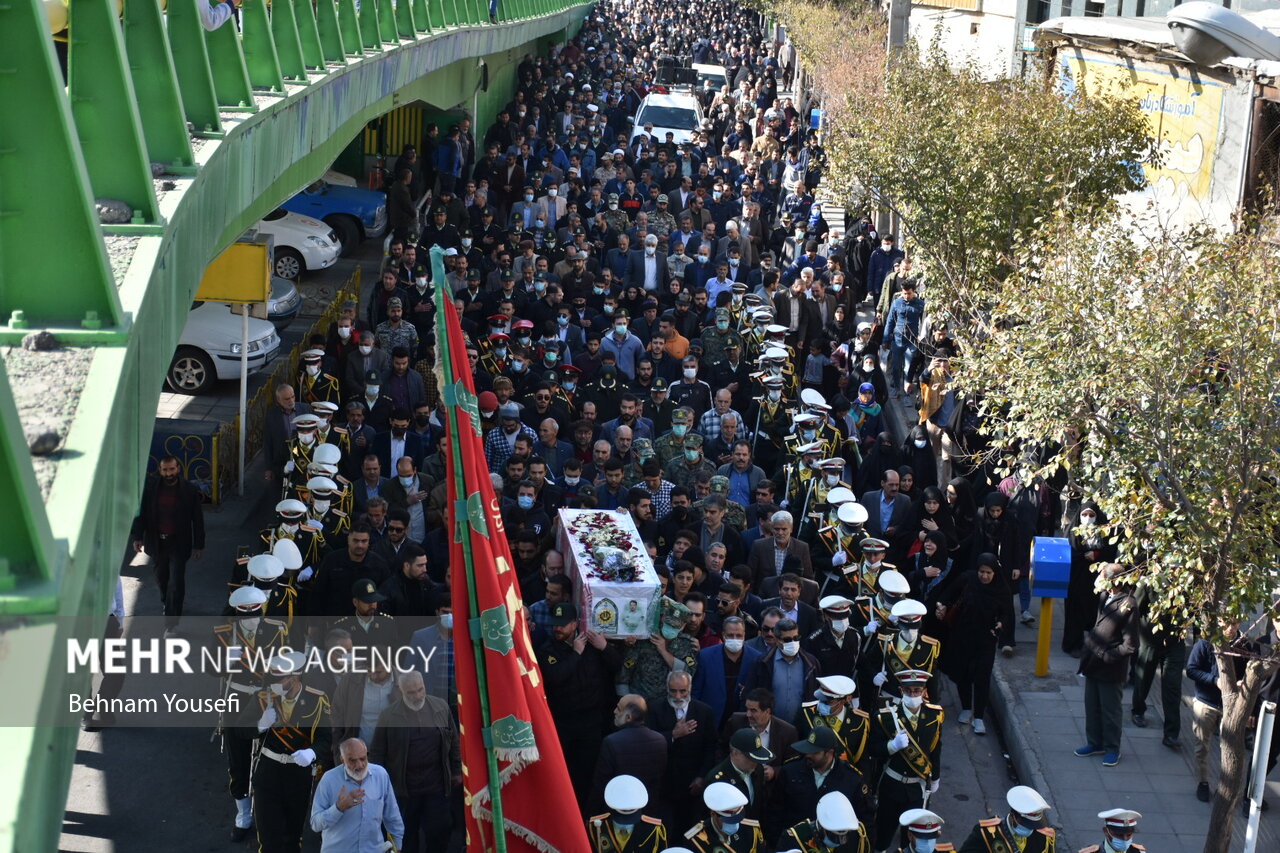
(46, 388)
(120, 252)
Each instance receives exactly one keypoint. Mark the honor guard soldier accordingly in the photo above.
(289, 606)
(800, 477)
(836, 707)
(922, 828)
(368, 627)
(296, 734)
(818, 772)
(873, 551)
(1023, 830)
(332, 522)
(314, 385)
(828, 473)
(266, 572)
(873, 616)
(301, 447)
(624, 829)
(291, 524)
(805, 432)
(1118, 827)
(838, 547)
(744, 769)
(834, 829)
(909, 737)
(567, 389)
(835, 646)
(494, 352)
(725, 830)
(327, 433)
(327, 461)
(770, 422)
(247, 632)
(905, 648)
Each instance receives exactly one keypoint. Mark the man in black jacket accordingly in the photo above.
(170, 528)
(796, 794)
(410, 593)
(689, 727)
(1108, 645)
(633, 749)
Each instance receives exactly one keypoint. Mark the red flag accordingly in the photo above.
(513, 768)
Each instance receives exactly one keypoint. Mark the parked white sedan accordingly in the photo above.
(209, 349)
(302, 243)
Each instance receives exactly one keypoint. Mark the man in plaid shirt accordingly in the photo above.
(721, 405)
(500, 443)
(659, 489)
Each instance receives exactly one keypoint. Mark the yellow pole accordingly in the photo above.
(1046, 632)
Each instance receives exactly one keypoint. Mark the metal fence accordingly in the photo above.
(226, 440)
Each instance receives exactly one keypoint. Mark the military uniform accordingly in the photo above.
(993, 835)
(334, 526)
(311, 544)
(704, 838)
(381, 631)
(661, 223)
(715, 342)
(869, 608)
(885, 655)
(339, 438)
(648, 835)
(617, 220)
(851, 729)
(300, 456)
(807, 836)
(281, 787)
(734, 514)
(320, 388)
(908, 771)
(645, 672)
(843, 579)
(668, 448)
(680, 473)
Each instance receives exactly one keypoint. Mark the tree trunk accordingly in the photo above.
(1238, 701)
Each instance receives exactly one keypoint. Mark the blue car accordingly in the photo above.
(354, 214)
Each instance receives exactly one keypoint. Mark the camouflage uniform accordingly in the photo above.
(680, 471)
(644, 671)
(714, 341)
(734, 514)
(661, 223)
(670, 446)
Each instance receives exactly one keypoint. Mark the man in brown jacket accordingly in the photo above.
(417, 742)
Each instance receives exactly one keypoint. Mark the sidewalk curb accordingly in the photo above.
(1009, 710)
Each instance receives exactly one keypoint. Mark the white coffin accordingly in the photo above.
(609, 606)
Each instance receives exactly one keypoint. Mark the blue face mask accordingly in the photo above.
(525, 501)
(569, 385)
(406, 481)
(692, 455)
(1022, 831)
(670, 632)
(562, 320)
(550, 358)
(730, 827)
(679, 430)
(1119, 844)
(926, 845)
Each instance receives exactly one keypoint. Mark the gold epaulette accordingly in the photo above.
(308, 528)
(933, 706)
(929, 640)
(695, 832)
(241, 561)
(861, 713)
(746, 821)
(339, 513)
(653, 820)
(277, 622)
(599, 819)
(991, 821)
(315, 690)
(340, 430)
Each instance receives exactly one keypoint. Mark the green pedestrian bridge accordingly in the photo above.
(201, 133)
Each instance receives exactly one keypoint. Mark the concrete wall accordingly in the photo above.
(988, 37)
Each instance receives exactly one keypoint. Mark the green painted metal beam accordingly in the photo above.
(155, 83)
(308, 32)
(350, 27)
(260, 47)
(38, 140)
(420, 17)
(106, 111)
(369, 26)
(230, 73)
(195, 77)
(24, 529)
(284, 31)
(386, 20)
(404, 20)
(331, 35)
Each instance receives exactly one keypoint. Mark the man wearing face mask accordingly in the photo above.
(684, 469)
(722, 671)
(1108, 646)
(647, 662)
(880, 265)
(787, 670)
(904, 648)
(922, 828)
(834, 645)
(834, 829)
(1118, 828)
(300, 450)
(872, 615)
(169, 527)
(689, 728)
(247, 630)
(1023, 829)
(908, 737)
(291, 517)
(313, 383)
(805, 784)
(729, 826)
(296, 736)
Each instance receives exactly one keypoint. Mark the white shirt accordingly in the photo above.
(397, 449)
(651, 271)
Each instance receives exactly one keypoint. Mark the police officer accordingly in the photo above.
(835, 646)
(834, 829)
(1023, 830)
(300, 448)
(295, 734)
(333, 523)
(904, 648)
(820, 771)
(835, 706)
(291, 524)
(368, 627)
(246, 638)
(873, 615)
(744, 769)
(922, 828)
(726, 829)
(314, 385)
(624, 828)
(1118, 827)
(837, 548)
(909, 737)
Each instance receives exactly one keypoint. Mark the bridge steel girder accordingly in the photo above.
(57, 580)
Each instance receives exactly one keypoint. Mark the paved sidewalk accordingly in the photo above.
(1043, 722)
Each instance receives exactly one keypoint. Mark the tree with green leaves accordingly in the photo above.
(1145, 363)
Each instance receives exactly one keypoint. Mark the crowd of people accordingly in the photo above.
(665, 328)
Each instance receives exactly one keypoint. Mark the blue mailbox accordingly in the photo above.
(1050, 566)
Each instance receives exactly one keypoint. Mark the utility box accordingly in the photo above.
(1050, 566)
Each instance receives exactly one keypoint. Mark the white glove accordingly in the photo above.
(880, 679)
(388, 845)
(234, 653)
(871, 627)
(785, 503)
(934, 785)
(899, 742)
(306, 574)
(289, 466)
(267, 720)
(304, 757)
(316, 523)
(840, 559)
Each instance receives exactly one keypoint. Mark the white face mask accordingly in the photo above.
(909, 635)
(1088, 520)
(372, 391)
(446, 621)
(313, 370)
(920, 443)
(572, 481)
(775, 396)
(553, 192)
(734, 644)
(344, 332)
(365, 349)
(651, 250)
(690, 373)
(791, 648)
(321, 507)
(277, 689)
(913, 703)
(832, 479)
(250, 625)
(307, 438)
(839, 626)
(289, 528)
